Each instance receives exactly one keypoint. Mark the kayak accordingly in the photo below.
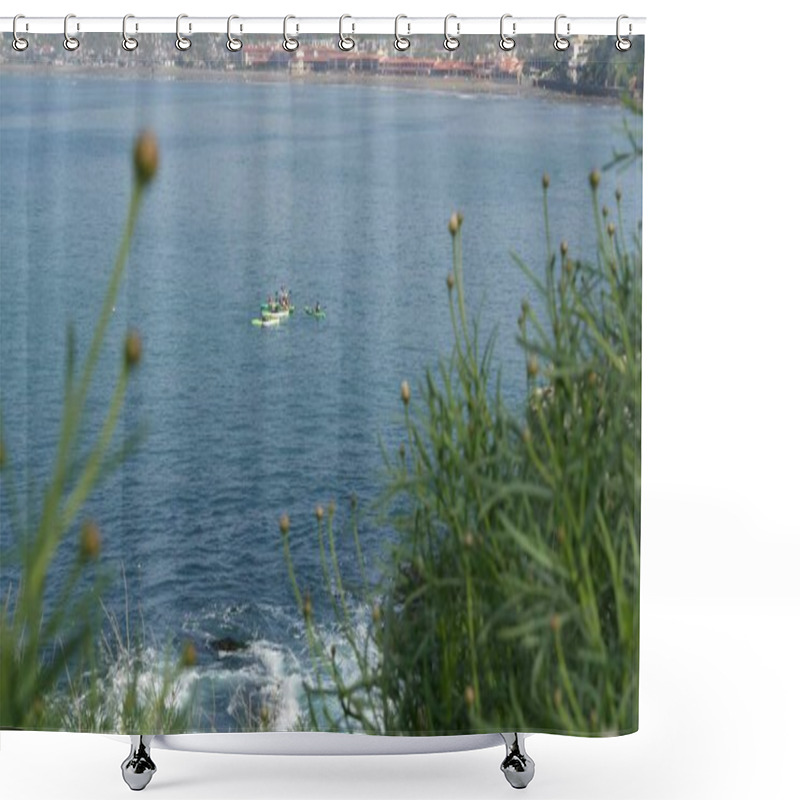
(318, 314)
(276, 315)
(265, 323)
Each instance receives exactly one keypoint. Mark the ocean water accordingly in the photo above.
(341, 193)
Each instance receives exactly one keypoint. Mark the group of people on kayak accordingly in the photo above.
(282, 301)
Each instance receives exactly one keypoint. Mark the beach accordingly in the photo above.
(426, 83)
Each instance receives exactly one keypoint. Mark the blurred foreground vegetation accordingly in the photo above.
(67, 664)
(511, 600)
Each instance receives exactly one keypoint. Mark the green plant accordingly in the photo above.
(510, 600)
(53, 664)
(633, 133)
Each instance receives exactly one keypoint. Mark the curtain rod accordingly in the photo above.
(408, 26)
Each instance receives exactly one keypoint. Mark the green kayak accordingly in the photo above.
(269, 315)
(265, 323)
(318, 314)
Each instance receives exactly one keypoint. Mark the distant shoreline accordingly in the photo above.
(427, 83)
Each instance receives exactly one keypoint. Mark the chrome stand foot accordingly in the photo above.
(138, 768)
(517, 766)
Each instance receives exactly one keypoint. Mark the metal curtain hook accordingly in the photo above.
(451, 42)
(289, 44)
(19, 44)
(233, 44)
(401, 43)
(128, 42)
(507, 42)
(560, 42)
(70, 42)
(345, 42)
(181, 42)
(622, 44)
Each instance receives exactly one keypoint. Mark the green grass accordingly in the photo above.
(511, 600)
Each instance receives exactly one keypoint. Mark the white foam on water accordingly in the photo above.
(157, 676)
(158, 681)
(272, 676)
(263, 675)
(283, 689)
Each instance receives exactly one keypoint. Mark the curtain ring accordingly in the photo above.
(128, 42)
(451, 42)
(181, 42)
(622, 44)
(233, 44)
(507, 42)
(560, 42)
(19, 44)
(346, 43)
(401, 43)
(289, 44)
(70, 42)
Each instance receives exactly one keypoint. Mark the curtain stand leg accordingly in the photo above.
(517, 766)
(138, 768)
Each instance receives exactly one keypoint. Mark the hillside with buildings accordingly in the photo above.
(590, 66)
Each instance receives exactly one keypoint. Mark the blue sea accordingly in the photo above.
(340, 193)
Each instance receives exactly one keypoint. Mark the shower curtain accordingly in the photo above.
(320, 385)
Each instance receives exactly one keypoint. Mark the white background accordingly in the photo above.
(720, 705)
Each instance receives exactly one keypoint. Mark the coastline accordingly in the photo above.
(428, 83)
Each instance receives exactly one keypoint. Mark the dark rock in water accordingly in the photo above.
(227, 645)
